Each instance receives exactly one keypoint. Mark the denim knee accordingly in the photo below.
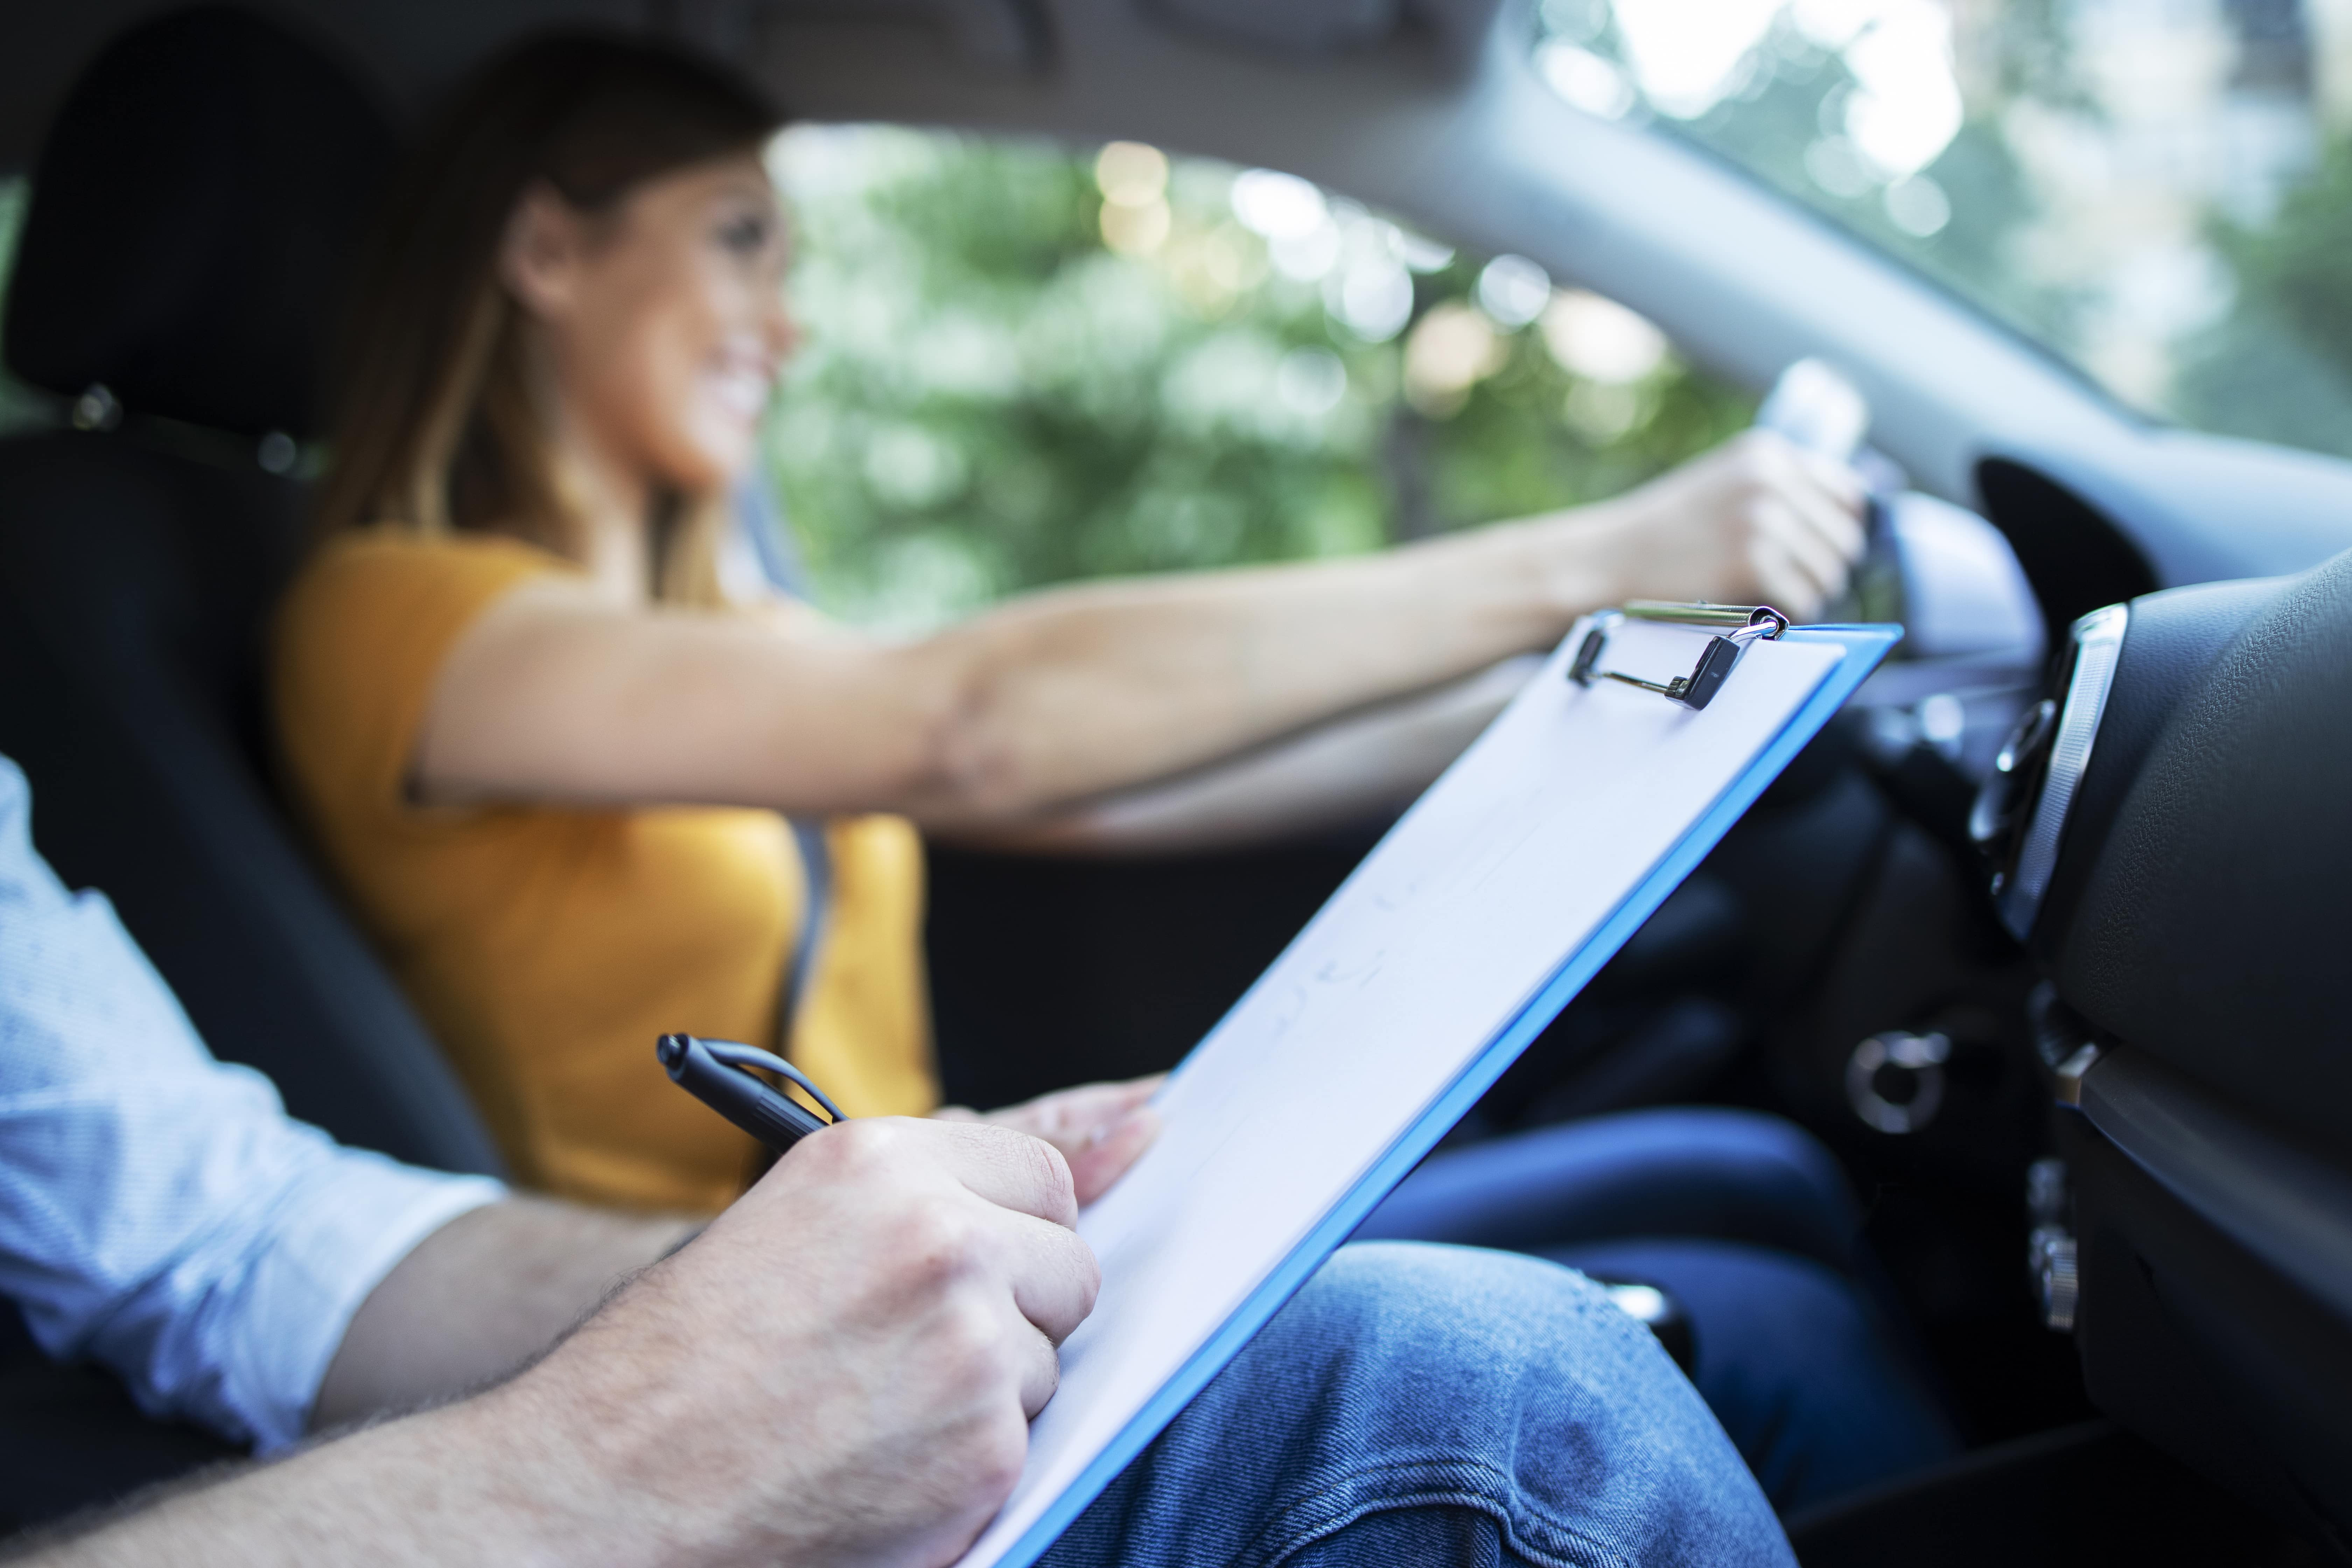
(1414, 1390)
(1732, 1175)
(1793, 1359)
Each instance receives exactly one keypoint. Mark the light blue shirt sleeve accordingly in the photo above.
(159, 1211)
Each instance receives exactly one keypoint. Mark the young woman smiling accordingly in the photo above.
(552, 761)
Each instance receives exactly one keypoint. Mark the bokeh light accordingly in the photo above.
(1026, 366)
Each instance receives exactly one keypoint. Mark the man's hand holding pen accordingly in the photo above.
(883, 1307)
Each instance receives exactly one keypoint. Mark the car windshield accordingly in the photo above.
(2158, 191)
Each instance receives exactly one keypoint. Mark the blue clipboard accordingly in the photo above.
(1862, 647)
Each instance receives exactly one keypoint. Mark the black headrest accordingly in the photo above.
(194, 209)
(2211, 927)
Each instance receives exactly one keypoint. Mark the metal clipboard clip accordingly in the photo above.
(1750, 623)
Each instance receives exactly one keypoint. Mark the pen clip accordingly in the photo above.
(742, 1057)
(719, 1074)
(1752, 624)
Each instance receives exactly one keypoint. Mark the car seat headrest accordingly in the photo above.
(195, 206)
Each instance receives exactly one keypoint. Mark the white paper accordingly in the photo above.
(1440, 938)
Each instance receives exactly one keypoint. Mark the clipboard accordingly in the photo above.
(1650, 687)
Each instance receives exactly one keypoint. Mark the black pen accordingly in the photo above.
(717, 1072)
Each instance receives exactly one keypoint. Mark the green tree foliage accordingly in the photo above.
(1794, 92)
(992, 399)
(2279, 366)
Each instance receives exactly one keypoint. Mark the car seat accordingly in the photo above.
(190, 211)
(191, 208)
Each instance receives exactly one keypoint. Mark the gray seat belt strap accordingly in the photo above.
(816, 880)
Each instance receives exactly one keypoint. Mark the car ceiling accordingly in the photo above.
(1428, 108)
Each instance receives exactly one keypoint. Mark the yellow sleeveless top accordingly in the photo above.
(549, 946)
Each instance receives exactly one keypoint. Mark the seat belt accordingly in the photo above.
(758, 517)
(816, 883)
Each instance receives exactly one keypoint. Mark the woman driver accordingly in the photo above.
(548, 759)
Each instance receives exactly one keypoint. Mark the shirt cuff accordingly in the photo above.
(333, 1245)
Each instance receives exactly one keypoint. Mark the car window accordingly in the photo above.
(1027, 364)
(2159, 190)
(19, 404)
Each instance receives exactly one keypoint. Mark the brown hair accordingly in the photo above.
(435, 423)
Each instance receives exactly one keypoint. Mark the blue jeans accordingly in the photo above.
(1419, 1403)
(1793, 1361)
(1747, 1221)
(1700, 1171)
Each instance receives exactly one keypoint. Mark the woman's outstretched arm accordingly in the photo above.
(560, 694)
(1351, 773)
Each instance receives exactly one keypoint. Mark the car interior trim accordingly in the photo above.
(2099, 640)
(2291, 1209)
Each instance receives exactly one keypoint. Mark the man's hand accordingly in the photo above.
(1755, 520)
(1100, 1128)
(839, 1371)
(842, 1368)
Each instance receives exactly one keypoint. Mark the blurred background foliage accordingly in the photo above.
(2278, 366)
(2159, 193)
(1027, 364)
